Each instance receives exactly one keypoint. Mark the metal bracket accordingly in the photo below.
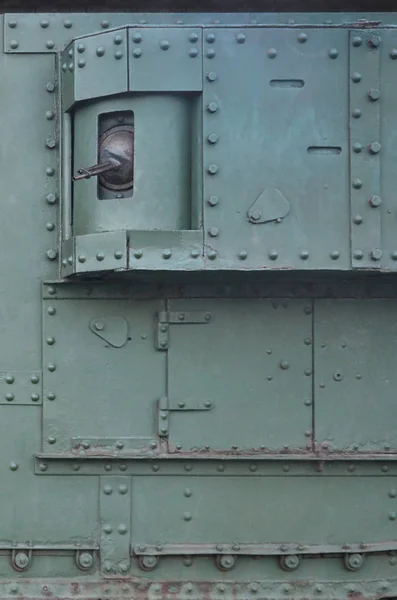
(114, 330)
(115, 517)
(166, 318)
(165, 406)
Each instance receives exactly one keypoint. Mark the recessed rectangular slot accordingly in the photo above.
(287, 83)
(324, 150)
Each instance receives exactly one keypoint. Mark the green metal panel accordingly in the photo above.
(271, 341)
(364, 73)
(86, 65)
(276, 137)
(165, 60)
(355, 345)
(259, 510)
(125, 379)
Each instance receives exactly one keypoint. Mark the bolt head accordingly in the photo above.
(374, 94)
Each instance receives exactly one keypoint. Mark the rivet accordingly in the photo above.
(51, 367)
(273, 255)
(70, 53)
(81, 258)
(374, 94)
(393, 54)
(50, 142)
(356, 77)
(51, 290)
(211, 76)
(100, 256)
(164, 44)
(43, 467)
(51, 254)
(334, 255)
(357, 147)
(357, 41)
(210, 38)
(187, 492)
(188, 467)
(118, 255)
(333, 53)
(9, 397)
(12, 24)
(392, 493)
(213, 169)
(193, 52)
(107, 529)
(100, 51)
(68, 24)
(138, 254)
(50, 341)
(242, 254)
(51, 439)
(356, 113)
(195, 253)
(374, 148)
(14, 44)
(213, 231)
(210, 53)
(357, 219)
(122, 529)
(213, 200)
(240, 38)
(392, 515)
(50, 87)
(394, 255)
(13, 466)
(107, 489)
(50, 171)
(375, 201)
(253, 468)
(302, 38)
(374, 41)
(137, 38)
(118, 54)
(10, 379)
(51, 396)
(104, 24)
(212, 254)
(212, 138)
(187, 516)
(193, 37)
(167, 254)
(304, 255)
(357, 183)
(44, 24)
(376, 254)
(117, 39)
(272, 53)
(384, 468)
(50, 226)
(212, 107)
(284, 364)
(137, 52)
(50, 44)
(80, 48)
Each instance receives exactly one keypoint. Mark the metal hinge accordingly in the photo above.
(166, 405)
(166, 318)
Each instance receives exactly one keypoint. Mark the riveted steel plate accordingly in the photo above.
(19, 387)
(276, 179)
(86, 65)
(365, 157)
(355, 375)
(388, 207)
(165, 59)
(265, 348)
(253, 510)
(86, 376)
(115, 522)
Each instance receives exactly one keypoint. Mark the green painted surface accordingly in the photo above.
(177, 434)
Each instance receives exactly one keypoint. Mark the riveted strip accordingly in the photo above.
(115, 522)
(241, 549)
(217, 465)
(365, 149)
(21, 387)
(106, 251)
(144, 589)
